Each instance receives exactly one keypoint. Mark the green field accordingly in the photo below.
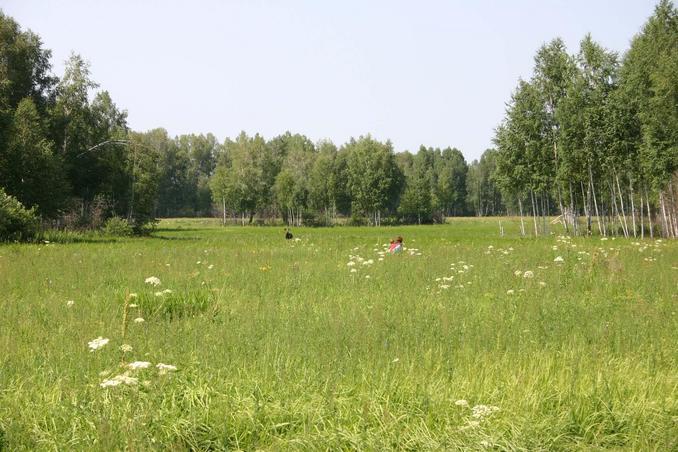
(279, 345)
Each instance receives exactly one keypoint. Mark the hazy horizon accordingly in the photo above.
(437, 74)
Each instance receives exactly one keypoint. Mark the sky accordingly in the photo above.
(437, 73)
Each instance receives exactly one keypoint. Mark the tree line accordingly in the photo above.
(591, 135)
(596, 135)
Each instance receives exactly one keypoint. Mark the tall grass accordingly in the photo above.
(279, 345)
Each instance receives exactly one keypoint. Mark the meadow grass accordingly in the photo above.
(280, 346)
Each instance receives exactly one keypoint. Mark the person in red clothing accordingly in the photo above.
(396, 245)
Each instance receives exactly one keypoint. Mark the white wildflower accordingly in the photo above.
(164, 368)
(97, 343)
(119, 379)
(559, 259)
(367, 276)
(444, 286)
(134, 305)
(139, 320)
(481, 411)
(350, 264)
(126, 348)
(210, 267)
(133, 295)
(528, 274)
(461, 402)
(510, 292)
(167, 291)
(517, 273)
(139, 365)
(70, 303)
(353, 270)
(542, 284)
(152, 280)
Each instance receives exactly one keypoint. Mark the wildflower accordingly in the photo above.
(139, 320)
(381, 259)
(167, 291)
(395, 360)
(542, 284)
(198, 263)
(119, 379)
(517, 273)
(126, 348)
(367, 276)
(133, 295)
(510, 292)
(164, 368)
(444, 286)
(210, 267)
(353, 270)
(558, 259)
(97, 343)
(528, 274)
(139, 365)
(70, 303)
(159, 294)
(481, 411)
(134, 305)
(152, 280)
(461, 402)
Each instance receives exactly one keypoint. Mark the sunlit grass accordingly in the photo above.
(278, 345)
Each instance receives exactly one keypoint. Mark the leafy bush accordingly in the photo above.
(118, 227)
(16, 222)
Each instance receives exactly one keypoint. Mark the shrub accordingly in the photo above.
(16, 222)
(118, 227)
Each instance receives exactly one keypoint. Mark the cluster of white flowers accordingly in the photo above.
(461, 402)
(126, 348)
(482, 411)
(139, 365)
(558, 259)
(528, 274)
(70, 303)
(119, 379)
(97, 343)
(500, 251)
(153, 281)
(139, 320)
(165, 368)
(163, 293)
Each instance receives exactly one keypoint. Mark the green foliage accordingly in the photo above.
(118, 227)
(16, 222)
(374, 179)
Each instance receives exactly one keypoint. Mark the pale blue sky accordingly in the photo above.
(427, 72)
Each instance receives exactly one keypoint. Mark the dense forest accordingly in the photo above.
(592, 135)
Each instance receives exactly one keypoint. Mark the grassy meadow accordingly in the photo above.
(465, 341)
